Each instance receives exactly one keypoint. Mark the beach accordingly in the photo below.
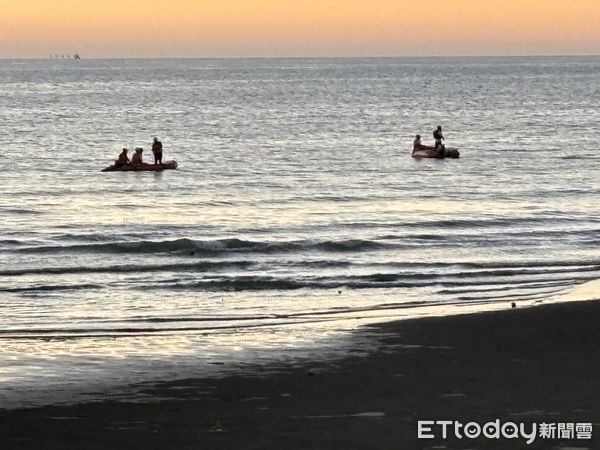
(528, 365)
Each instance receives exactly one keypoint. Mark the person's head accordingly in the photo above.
(439, 128)
(418, 137)
(155, 139)
(124, 150)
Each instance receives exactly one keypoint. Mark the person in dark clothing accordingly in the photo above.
(136, 159)
(123, 159)
(439, 137)
(157, 151)
(417, 145)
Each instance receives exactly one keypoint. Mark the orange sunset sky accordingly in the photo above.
(231, 28)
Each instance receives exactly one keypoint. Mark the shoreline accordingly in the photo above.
(523, 365)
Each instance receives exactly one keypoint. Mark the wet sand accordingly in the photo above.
(521, 365)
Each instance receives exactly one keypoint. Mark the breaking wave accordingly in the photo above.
(210, 247)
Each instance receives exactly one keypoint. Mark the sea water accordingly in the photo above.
(296, 213)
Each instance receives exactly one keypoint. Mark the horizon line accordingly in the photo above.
(70, 56)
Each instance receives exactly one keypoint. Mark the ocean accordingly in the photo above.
(296, 214)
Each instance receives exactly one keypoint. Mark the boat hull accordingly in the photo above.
(431, 152)
(145, 167)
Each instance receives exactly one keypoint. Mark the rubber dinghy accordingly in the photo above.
(431, 152)
(142, 167)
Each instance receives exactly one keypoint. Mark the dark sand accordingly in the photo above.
(538, 364)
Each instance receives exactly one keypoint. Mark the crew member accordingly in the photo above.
(157, 151)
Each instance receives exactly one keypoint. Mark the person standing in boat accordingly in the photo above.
(439, 137)
(157, 151)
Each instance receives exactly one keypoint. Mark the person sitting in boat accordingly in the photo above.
(439, 137)
(157, 151)
(123, 159)
(136, 159)
(417, 145)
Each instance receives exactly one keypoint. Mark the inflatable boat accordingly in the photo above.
(426, 151)
(142, 167)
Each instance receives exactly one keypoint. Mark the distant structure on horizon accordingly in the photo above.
(75, 56)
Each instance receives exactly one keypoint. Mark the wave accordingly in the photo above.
(484, 290)
(203, 266)
(194, 247)
(479, 223)
(485, 283)
(410, 270)
(579, 157)
(375, 281)
(23, 211)
(14, 242)
(526, 264)
(52, 288)
(233, 245)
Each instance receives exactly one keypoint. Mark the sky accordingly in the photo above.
(262, 28)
